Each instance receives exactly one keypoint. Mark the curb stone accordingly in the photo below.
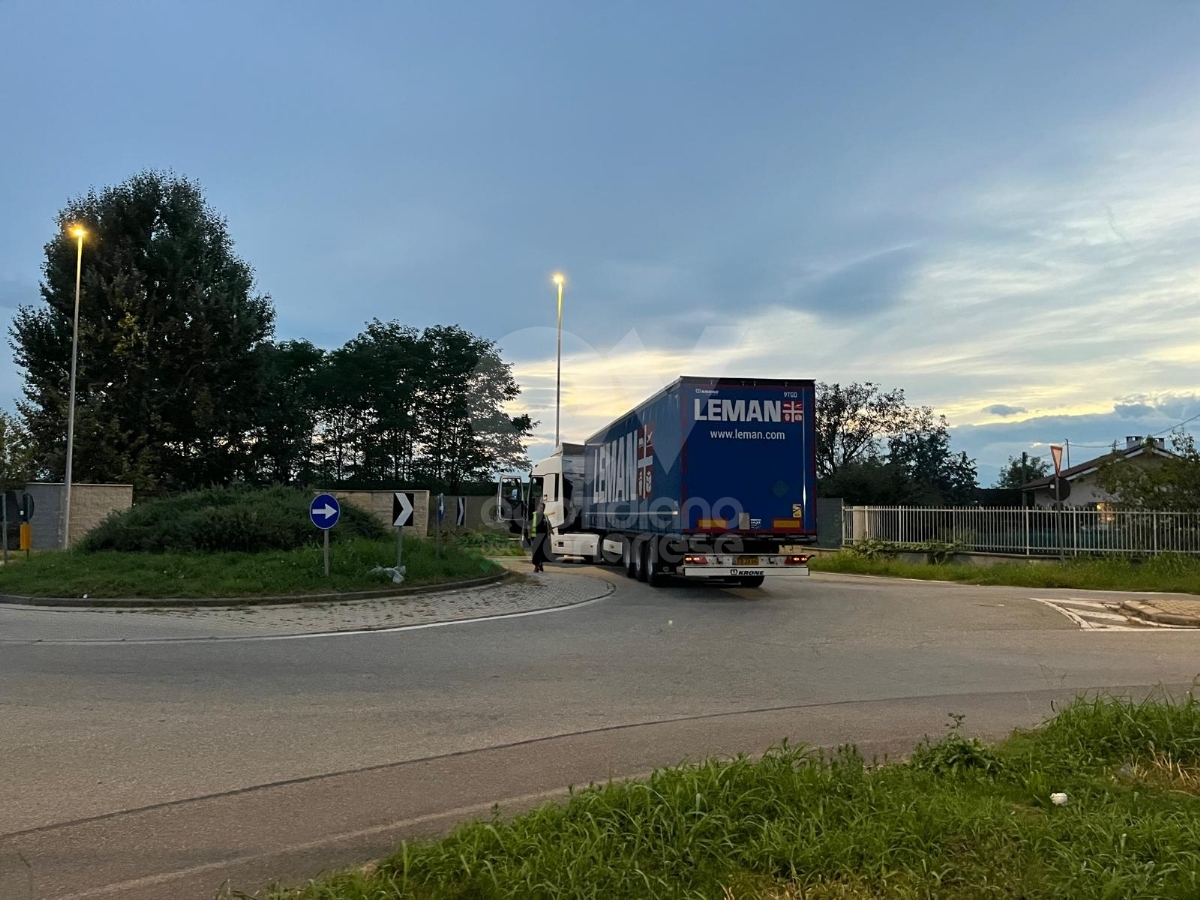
(293, 599)
(1151, 613)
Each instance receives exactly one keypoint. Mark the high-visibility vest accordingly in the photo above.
(535, 518)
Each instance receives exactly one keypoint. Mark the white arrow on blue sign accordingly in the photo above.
(461, 519)
(324, 511)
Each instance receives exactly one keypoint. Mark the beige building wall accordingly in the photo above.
(1085, 488)
(91, 504)
(379, 505)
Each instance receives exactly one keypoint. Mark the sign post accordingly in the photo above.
(1056, 453)
(402, 513)
(26, 528)
(324, 511)
(441, 515)
(14, 510)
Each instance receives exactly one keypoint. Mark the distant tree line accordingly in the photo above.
(180, 384)
(393, 406)
(1019, 472)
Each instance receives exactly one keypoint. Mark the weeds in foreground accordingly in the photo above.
(960, 821)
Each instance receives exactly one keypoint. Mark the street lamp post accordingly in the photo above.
(558, 280)
(66, 532)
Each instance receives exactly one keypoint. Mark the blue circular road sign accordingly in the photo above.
(324, 511)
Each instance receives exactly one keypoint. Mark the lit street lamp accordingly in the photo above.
(558, 279)
(78, 232)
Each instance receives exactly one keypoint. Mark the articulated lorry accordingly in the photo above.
(711, 478)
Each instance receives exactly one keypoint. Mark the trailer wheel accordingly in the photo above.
(642, 561)
(627, 560)
(752, 581)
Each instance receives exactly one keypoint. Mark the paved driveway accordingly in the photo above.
(323, 750)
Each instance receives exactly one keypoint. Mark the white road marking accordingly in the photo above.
(1096, 615)
(390, 629)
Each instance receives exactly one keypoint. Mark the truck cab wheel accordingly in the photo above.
(753, 581)
(642, 559)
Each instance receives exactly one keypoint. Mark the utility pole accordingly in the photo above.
(1024, 474)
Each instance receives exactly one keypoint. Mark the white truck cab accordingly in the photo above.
(556, 481)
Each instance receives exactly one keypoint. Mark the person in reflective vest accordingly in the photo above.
(539, 532)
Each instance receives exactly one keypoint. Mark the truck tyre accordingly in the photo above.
(752, 581)
(643, 561)
(627, 560)
(598, 556)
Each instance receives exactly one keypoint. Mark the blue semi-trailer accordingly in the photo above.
(710, 478)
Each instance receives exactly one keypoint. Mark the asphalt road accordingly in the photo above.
(161, 769)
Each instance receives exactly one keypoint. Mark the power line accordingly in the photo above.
(1155, 434)
(1176, 425)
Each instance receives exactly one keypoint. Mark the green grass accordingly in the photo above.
(489, 543)
(1168, 573)
(278, 572)
(958, 821)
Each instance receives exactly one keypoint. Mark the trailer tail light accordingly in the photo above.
(795, 560)
(695, 560)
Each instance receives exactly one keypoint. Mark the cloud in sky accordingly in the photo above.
(864, 287)
(995, 209)
(1003, 410)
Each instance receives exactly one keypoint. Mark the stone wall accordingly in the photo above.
(379, 504)
(479, 515)
(91, 504)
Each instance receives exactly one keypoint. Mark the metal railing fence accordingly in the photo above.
(1027, 531)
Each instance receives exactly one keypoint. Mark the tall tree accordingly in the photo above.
(938, 476)
(168, 374)
(854, 420)
(466, 434)
(872, 482)
(1018, 472)
(873, 448)
(16, 454)
(287, 412)
(395, 405)
(388, 361)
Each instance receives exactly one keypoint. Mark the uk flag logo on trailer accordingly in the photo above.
(645, 461)
(793, 411)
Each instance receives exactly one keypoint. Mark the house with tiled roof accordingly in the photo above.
(1086, 492)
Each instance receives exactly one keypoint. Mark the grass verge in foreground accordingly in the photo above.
(959, 820)
(271, 572)
(1166, 573)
